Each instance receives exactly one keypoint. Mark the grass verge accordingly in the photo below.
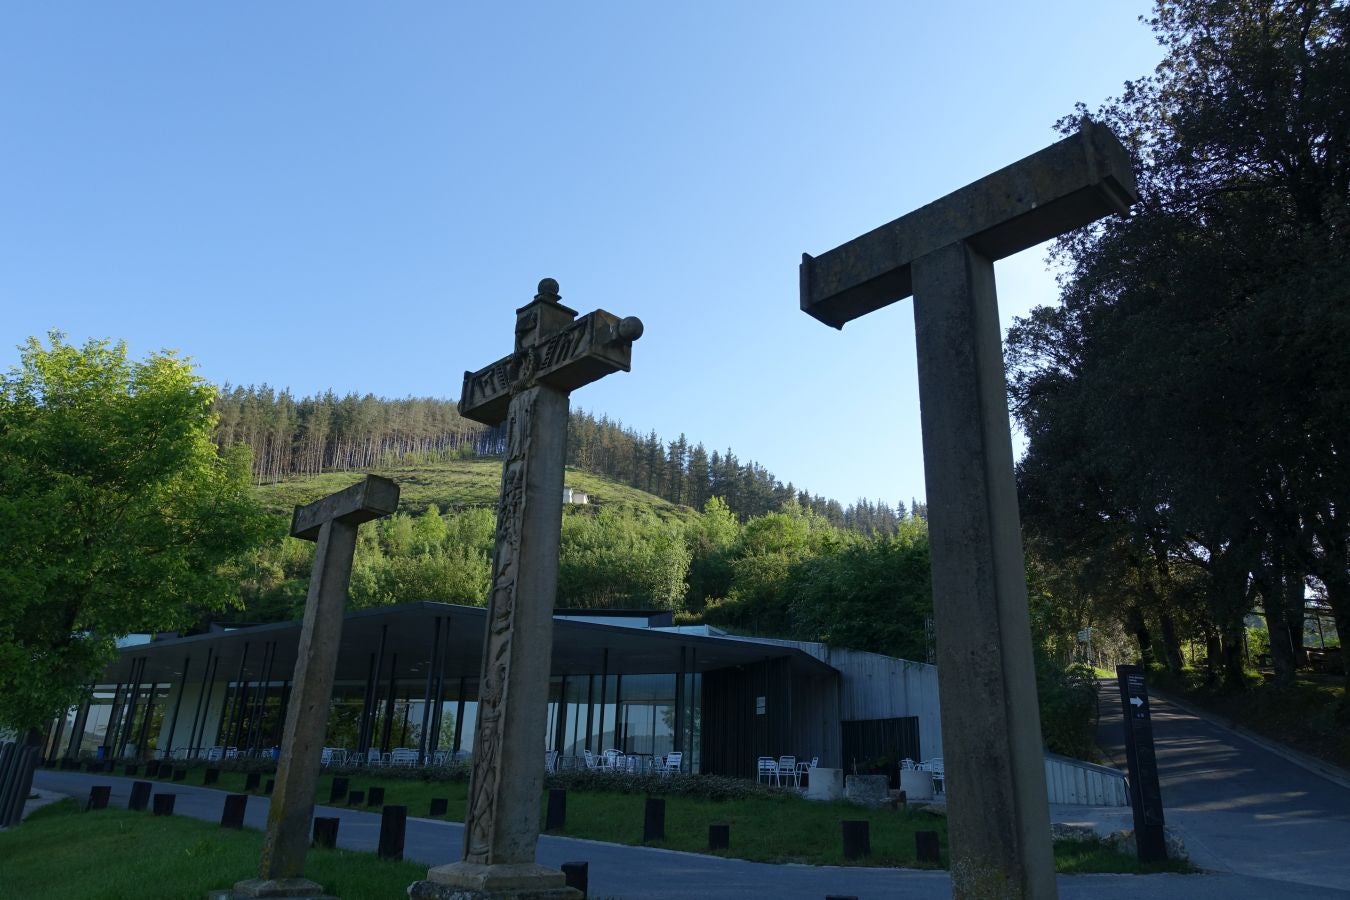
(774, 827)
(113, 854)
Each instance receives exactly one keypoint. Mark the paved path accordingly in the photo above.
(1240, 807)
(639, 873)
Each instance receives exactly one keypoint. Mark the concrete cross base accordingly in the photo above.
(292, 888)
(470, 881)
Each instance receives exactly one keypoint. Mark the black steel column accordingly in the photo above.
(254, 736)
(389, 704)
(113, 719)
(81, 722)
(590, 709)
(145, 720)
(560, 727)
(133, 696)
(182, 686)
(604, 695)
(201, 693)
(426, 694)
(679, 706)
(199, 721)
(440, 691)
(233, 715)
(459, 716)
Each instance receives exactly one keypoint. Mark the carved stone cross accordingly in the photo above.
(555, 353)
(944, 255)
(331, 523)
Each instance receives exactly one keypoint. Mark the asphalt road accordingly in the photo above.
(1240, 807)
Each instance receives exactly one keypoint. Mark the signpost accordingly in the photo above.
(1145, 796)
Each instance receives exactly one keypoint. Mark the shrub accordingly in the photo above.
(705, 787)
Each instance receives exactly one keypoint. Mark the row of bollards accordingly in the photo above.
(100, 794)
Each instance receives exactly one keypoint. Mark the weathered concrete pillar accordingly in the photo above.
(331, 523)
(555, 353)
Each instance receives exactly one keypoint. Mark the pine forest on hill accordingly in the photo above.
(327, 433)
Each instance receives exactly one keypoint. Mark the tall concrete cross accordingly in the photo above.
(555, 353)
(331, 523)
(944, 255)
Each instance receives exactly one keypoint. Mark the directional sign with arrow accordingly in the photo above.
(1145, 795)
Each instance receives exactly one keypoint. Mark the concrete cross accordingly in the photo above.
(944, 255)
(555, 353)
(331, 523)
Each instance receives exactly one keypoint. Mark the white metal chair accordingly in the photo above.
(550, 760)
(787, 768)
(215, 753)
(403, 756)
(326, 756)
(804, 768)
(611, 760)
(671, 764)
(591, 761)
(768, 770)
(373, 757)
(935, 766)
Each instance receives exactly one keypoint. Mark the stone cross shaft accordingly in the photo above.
(944, 255)
(331, 523)
(555, 353)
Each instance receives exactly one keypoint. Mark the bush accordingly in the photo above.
(1068, 708)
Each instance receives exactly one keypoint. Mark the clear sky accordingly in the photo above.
(357, 195)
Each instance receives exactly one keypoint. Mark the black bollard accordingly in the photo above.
(253, 780)
(926, 847)
(233, 814)
(841, 897)
(131, 770)
(439, 807)
(270, 786)
(654, 820)
(212, 776)
(857, 840)
(180, 774)
(165, 770)
(577, 875)
(393, 827)
(164, 804)
(337, 791)
(140, 796)
(98, 797)
(375, 796)
(556, 818)
(356, 798)
(325, 831)
(719, 837)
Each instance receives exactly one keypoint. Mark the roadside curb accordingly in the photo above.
(1334, 774)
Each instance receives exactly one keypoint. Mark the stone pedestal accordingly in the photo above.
(291, 888)
(917, 784)
(867, 790)
(825, 784)
(506, 881)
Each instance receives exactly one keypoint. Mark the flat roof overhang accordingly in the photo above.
(579, 648)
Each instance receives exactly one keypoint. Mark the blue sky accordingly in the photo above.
(356, 196)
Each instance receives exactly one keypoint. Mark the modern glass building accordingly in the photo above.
(407, 676)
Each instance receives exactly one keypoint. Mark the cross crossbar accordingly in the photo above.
(583, 351)
(370, 498)
(1065, 186)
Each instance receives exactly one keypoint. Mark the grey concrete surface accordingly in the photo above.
(638, 873)
(1239, 807)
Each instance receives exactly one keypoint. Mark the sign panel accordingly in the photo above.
(1145, 795)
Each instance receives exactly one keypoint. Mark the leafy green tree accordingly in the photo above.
(116, 514)
(711, 541)
(619, 560)
(1190, 392)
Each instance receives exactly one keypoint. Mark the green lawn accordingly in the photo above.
(779, 828)
(113, 854)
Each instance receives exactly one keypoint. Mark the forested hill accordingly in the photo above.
(328, 433)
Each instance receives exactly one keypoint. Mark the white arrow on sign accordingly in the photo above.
(1136, 701)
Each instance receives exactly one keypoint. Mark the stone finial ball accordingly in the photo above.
(630, 328)
(548, 289)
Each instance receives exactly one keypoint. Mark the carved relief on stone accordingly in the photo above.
(501, 613)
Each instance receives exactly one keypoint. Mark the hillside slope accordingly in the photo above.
(461, 484)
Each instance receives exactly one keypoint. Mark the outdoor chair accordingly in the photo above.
(934, 765)
(611, 761)
(439, 757)
(671, 764)
(590, 759)
(550, 760)
(804, 768)
(373, 757)
(768, 770)
(787, 768)
(215, 753)
(326, 756)
(403, 756)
